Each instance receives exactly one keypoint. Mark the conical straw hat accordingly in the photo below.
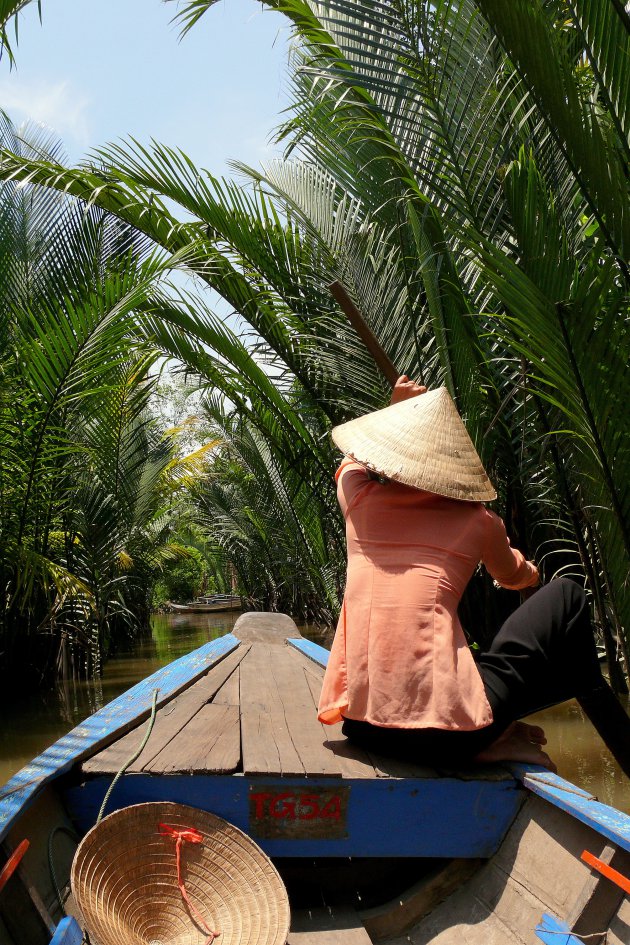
(125, 882)
(421, 442)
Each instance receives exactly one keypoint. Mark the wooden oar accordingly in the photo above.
(604, 710)
(356, 319)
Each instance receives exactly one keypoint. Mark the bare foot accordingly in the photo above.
(533, 733)
(515, 744)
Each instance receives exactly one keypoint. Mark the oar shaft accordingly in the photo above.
(605, 712)
(384, 364)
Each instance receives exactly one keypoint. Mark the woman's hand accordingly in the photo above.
(404, 389)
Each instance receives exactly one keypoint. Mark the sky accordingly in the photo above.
(99, 71)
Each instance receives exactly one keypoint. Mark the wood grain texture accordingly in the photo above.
(608, 821)
(267, 742)
(280, 731)
(169, 722)
(301, 717)
(353, 762)
(209, 744)
(230, 691)
(599, 899)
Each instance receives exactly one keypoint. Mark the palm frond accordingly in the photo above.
(540, 51)
(605, 36)
(10, 11)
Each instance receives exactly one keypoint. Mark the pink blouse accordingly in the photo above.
(399, 658)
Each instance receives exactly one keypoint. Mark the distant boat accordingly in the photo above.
(209, 605)
(371, 850)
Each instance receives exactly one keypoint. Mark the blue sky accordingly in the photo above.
(97, 72)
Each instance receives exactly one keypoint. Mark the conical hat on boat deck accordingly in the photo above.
(125, 881)
(421, 442)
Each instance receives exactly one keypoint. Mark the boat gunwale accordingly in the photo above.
(313, 651)
(103, 726)
(585, 807)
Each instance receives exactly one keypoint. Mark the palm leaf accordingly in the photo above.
(10, 10)
(527, 31)
(605, 35)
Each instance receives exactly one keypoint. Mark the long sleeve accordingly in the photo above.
(506, 564)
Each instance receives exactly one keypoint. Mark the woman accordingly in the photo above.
(400, 674)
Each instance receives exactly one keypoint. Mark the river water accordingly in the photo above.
(32, 724)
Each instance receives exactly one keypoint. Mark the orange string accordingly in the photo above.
(188, 835)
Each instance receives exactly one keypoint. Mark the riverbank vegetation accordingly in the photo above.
(461, 168)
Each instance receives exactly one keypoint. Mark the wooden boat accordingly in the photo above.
(371, 850)
(209, 605)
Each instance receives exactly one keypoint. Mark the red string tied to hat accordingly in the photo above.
(187, 835)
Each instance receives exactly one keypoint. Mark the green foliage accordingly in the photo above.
(461, 167)
(185, 579)
(274, 521)
(485, 145)
(88, 483)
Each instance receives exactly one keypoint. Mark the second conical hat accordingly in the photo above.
(421, 442)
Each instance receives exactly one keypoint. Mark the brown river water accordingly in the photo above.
(31, 725)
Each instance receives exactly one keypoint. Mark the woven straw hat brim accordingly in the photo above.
(421, 442)
(124, 881)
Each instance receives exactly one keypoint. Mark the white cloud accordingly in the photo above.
(57, 105)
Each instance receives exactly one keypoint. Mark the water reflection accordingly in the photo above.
(33, 723)
(581, 756)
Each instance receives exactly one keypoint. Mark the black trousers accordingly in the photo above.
(543, 654)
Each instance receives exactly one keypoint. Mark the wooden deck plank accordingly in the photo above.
(209, 744)
(353, 761)
(267, 744)
(230, 691)
(304, 728)
(169, 722)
